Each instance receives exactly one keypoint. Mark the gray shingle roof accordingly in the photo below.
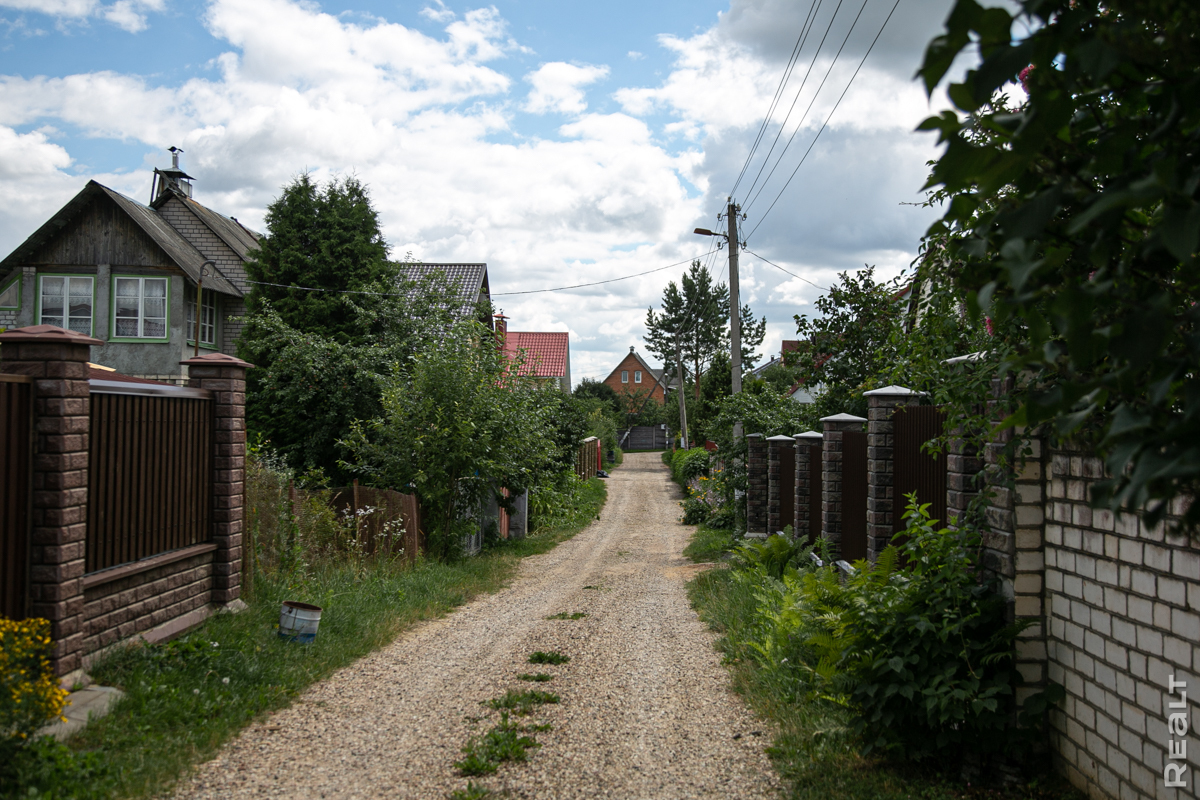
(240, 239)
(178, 249)
(469, 281)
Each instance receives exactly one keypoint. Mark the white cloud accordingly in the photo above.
(556, 87)
(438, 14)
(634, 55)
(129, 15)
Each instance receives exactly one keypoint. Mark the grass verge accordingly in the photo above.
(187, 697)
(709, 544)
(812, 749)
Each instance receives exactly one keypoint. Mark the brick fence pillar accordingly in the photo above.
(778, 448)
(807, 470)
(57, 360)
(963, 475)
(831, 478)
(225, 377)
(756, 485)
(881, 463)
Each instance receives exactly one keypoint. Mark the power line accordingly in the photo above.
(796, 99)
(811, 103)
(597, 283)
(830, 116)
(787, 72)
(781, 269)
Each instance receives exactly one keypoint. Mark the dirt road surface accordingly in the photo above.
(645, 712)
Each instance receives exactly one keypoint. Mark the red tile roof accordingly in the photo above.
(545, 353)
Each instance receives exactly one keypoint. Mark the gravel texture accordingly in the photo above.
(645, 712)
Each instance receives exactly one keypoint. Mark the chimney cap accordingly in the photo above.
(631, 348)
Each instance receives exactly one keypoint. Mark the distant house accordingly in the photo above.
(634, 378)
(107, 266)
(547, 354)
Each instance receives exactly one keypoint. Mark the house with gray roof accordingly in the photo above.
(107, 266)
(467, 284)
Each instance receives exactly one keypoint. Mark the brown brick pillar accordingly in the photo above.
(831, 468)
(778, 448)
(756, 485)
(881, 464)
(963, 476)
(225, 377)
(808, 466)
(57, 361)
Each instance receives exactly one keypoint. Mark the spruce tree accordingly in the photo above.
(319, 237)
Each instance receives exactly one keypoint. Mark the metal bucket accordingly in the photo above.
(298, 621)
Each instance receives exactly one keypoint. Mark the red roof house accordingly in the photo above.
(547, 353)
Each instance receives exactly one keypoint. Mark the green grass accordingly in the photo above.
(552, 657)
(522, 702)
(567, 615)
(537, 677)
(485, 752)
(472, 792)
(709, 544)
(812, 749)
(185, 698)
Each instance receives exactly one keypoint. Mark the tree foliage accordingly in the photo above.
(326, 238)
(1075, 220)
(698, 311)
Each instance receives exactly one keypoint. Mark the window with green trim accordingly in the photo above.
(139, 308)
(208, 317)
(10, 294)
(66, 301)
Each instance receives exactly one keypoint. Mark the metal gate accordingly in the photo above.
(917, 471)
(854, 496)
(816, 484)
(16, 464)
(787, 485)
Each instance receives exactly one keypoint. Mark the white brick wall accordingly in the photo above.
(1122, 604)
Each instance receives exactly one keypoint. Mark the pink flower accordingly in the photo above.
(991, 329)
(1024, 76)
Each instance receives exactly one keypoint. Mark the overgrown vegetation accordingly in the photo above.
(186, 697)
(889, 683)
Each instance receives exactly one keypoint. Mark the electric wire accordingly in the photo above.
(804, 117)
(781, 269)
(827, 118)
(796, 99)
(813, 7)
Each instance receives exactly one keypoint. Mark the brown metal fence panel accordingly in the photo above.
(816, 487)
(149, 475)
(376, 513)
(16, 454)
(917, 471)
(854, 496)
(787, 485)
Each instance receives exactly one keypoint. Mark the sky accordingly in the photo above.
(560, 142)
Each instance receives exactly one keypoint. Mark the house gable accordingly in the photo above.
(101, 233)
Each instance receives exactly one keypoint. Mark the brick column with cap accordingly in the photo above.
(225, 377)
(57, 360)
(808, 469)
(881, 464)
(756, 485)
(831, 468)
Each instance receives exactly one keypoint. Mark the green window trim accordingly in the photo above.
(142, 318)
(71, 276)
(17, 280)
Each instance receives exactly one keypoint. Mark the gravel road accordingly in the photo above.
(645, 712)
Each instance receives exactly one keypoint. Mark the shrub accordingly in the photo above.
(29, 692)
(688, 464)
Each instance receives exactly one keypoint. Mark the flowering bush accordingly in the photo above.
(29, 692)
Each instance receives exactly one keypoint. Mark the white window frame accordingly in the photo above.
(624, 376)
(141, 317)
(208, 317)
(14, 283)
(637, 376)
(67, 317)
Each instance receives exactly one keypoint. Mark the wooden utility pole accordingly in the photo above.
(735, 308)
(679, 391)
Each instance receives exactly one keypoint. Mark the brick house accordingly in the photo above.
(111, 268)
(547, 353)
(636, 381)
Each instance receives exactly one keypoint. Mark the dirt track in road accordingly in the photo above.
(645, 711)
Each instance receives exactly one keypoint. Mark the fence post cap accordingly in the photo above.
(897, 391)
(213, 360)
(47, 334)
(809, 435)
(843, 418)
(781, 438)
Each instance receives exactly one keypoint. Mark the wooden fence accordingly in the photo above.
(16, 449)
(150, 462)
(386, 521)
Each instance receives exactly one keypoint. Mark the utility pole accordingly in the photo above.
(735, 308)
(679, 391)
